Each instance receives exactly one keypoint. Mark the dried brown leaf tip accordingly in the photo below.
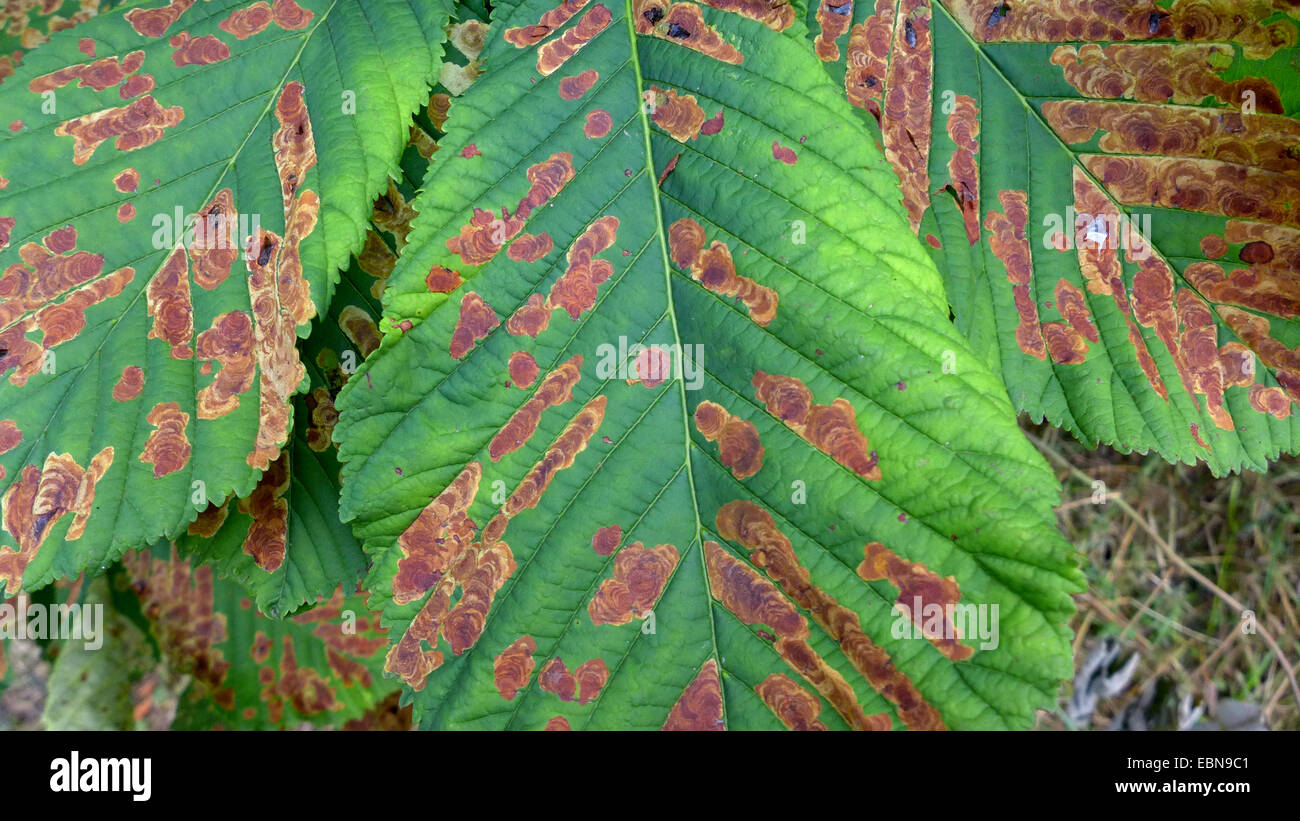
(754, 528)
(34, 504)
(640, 575)
(715, 269)
(513, 667)
(793, 705)
(700, 705)
(832, 429)
(739, 447)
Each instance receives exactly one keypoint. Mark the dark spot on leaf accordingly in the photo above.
(999, 12)
(679, 32)
(909, 31)
(843, 10)
(654, 15)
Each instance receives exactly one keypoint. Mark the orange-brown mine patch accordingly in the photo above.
(268, 536)
(964, 128)
(751, 526)
(179, 604)
(783, 153)
(738, 445)
(575, 291)
(530, 247)
(295, 155)
(918, 589)
(905, 124)
(33, 504)
(598, 124)
(750, 597)
(531, 318)
(591, 677)
(155, 22)
(260, 651)
(127, 182)
(834, 17)
(1256, 332)
(1272, 401)
(683, 24)
(323, 417)
(290, 16)
(640, 575)
(128, 385)
(794, 706)
(476, 320)
(439, 106)
(678, 114)
(606, 539)
(556, 679)
(1237, 362)
(523, 369)
(167, 448)
(304, 689)
(64, 321)
(441, 280)
(480, 240)
(170, 307)
(556, 389)
(867, 60)
(557, 52)
(513, 667)
(558, 724)
(1206, 186)
(1269, 289)
(1009, 244)
(10, 435)
(216, 246)
(700, 705)
(832, 429)
(99, 75)
(1160, 73)
(86, 46)
(1073, 306)
(525, 36)
(777, 15)
(392, 213)
(1258, 140)
(715, 269)
(229, 343)
(1054, 21)
(436, 537)
(652, 367)
(464, 625)
(572, 88)
(280, 371)
(136, 85)
(244, 23)
(198, 51)
(1096, 246)
(209, 520)
(1200, 354)
(140, 123)
(126, 212)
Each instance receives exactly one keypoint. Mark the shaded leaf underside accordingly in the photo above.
(563, 537)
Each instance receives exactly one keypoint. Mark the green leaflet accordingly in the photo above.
(251, 672)
(302, 550)
(600, 571)
(131, 395)
(1178, 335)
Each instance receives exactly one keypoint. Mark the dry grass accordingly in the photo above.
(1173, 556)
